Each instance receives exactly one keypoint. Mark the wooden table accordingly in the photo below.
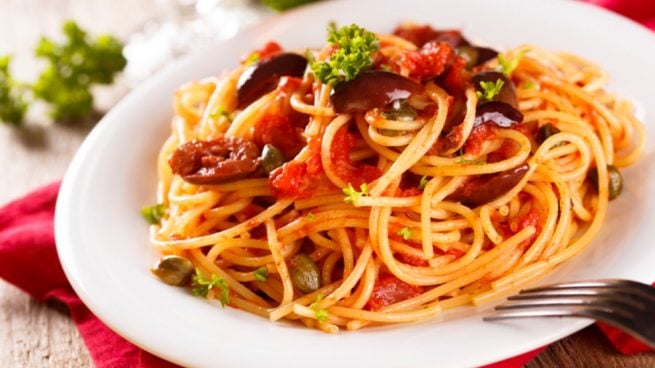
(33, 334)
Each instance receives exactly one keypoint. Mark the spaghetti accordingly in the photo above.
(439, 175)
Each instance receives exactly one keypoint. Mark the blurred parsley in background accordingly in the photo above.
(281, 5)
(72, 68)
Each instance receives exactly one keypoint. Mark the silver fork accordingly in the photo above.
(628, 305)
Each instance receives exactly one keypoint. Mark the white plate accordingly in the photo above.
(103, 242)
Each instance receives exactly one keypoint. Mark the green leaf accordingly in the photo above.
(73, 67)
(261, 274)
(281, 5)
(423, 182)
(507, 66)
(310, 217)
(489, 89)
(529, 85)
(353, 195)
(405, 232)
(13, 105)
(153, 214)
(354, 50)
(201, 285)
(320, 313)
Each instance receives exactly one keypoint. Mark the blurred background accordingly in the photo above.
(154, 33)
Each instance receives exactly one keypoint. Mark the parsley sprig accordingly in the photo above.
(489, 89)
(507, 66)
(352, 195)
(405, 232)
(261, 274)
(355, 48)
(12, 101)
(72, 68)
(201, 285)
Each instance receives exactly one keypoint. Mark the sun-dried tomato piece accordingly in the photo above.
(217, 161)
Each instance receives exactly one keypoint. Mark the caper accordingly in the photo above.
(305, 274)
(615, 180)
(173, 270)
(546, 131)
(400, 110)
(272, 158)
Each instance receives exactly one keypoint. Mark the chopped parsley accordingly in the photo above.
(310, 217)
(253, 58)
(405, 232)
(507, 66)
(261, 274)
(529, 85)
(201, 285)
(353, 195)
(153, 214)
(219, 111)
(355, 48)
(423, 182)
(489, 89)
(320, 313)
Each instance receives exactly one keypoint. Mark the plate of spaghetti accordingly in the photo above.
(338, 181)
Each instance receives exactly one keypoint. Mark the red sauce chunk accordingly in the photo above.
(389, 290)
(290, 180)
(271, 48)
(281, 125)
(342, 143)
(478, 136)
(430, 61)
(532, 218)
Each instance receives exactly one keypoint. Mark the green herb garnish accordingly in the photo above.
(353, 195)
(489, 89)
(261, 274)
(405, 232)
(507, 66)
(320, 313)
(355, 48)
(423, 182)
(201, 285)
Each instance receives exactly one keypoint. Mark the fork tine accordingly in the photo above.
(561, 296)
(627, 287)
(600, 303)
(532, 313)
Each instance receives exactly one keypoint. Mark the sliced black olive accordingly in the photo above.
(507, 92)
(174, 270)
(615, 180)
(262, 77)
(546, 131)
(476, 55)
(500, 113)
(485, 188)
(372, 89)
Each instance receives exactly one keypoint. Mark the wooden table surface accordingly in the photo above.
(33, 334)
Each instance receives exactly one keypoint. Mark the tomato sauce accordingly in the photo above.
(478, 136)
(389, 290)
(342, 143)
(428, 62)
